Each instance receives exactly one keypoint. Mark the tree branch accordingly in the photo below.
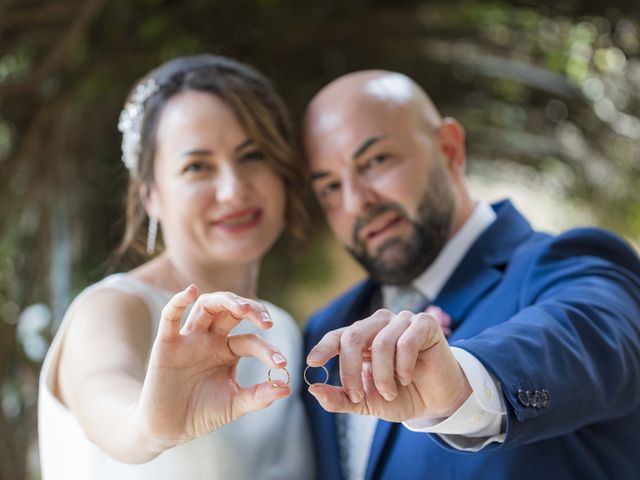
(59, 52)
(43, 13)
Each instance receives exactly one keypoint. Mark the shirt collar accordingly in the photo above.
(431, 281)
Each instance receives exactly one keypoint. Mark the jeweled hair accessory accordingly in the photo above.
(130, 122)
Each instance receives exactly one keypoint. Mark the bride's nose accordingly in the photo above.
(229, 184)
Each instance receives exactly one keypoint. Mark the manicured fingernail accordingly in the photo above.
(264, 316)
(278, 358)
(354, 396)
(403, 381)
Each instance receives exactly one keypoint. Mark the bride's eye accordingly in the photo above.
(196, 167)
(253, 156)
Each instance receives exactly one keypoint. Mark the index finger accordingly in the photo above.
(355, 343)
(327, 348)
(222, 311)
(172, 312)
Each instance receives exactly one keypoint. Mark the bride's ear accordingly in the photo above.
(149, 200)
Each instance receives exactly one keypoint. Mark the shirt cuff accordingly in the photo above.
(480, 417)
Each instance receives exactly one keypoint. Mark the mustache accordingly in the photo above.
(371, 214)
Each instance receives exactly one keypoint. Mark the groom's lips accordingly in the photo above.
(380, 226)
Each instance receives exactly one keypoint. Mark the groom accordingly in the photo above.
(541, 375)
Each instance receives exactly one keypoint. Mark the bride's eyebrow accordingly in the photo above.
(318, 176)
(197, 152)
(208, 152)
(244, 144)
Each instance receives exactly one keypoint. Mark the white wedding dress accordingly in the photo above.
(273, 443)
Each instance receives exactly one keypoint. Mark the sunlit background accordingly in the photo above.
(549, 94)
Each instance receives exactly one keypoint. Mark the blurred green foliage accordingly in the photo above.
(553, 86)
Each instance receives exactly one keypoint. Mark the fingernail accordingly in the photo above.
(354, 396)
(241, 301)
(313, 357)
(278, 358)
(264, 316)
(388, 396)
(403, 381)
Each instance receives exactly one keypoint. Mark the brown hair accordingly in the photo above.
(260, 111)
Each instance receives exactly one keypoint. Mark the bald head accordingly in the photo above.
(388, 93)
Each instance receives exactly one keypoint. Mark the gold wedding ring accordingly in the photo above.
(326, 373)
(274, 384)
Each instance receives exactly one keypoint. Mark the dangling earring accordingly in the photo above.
(152, 233)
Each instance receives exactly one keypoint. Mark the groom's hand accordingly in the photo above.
(392, 366)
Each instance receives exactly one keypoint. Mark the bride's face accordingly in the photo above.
(216, 197)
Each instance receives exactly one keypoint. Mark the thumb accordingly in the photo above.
(259, 396)
(335, 400)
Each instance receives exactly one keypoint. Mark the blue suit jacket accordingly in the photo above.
(557, 321)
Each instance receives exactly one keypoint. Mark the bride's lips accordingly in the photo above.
(239, 220)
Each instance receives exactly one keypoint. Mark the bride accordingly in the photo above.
(146, 378)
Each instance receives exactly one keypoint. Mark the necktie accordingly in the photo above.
(406, 297)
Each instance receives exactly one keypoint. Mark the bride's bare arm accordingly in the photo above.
(134, 412)
(102, 369)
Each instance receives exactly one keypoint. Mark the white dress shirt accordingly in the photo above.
(480, 420)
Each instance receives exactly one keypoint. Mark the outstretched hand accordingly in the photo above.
(392, 366)
(190, 388)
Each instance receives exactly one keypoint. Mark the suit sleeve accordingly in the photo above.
(571, 356)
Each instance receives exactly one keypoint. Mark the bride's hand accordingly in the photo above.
(190, 388)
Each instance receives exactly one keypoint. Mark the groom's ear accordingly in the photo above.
(451, 138)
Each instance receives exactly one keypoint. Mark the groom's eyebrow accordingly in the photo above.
(366, 144)
(361, 150)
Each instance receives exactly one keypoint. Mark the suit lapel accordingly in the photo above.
(483, 265)
(381, 438)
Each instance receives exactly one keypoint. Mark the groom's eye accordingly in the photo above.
(373, 162)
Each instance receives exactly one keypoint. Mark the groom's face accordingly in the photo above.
(383, 185)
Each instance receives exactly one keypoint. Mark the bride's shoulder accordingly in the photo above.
(111, 294)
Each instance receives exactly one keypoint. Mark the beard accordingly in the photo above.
(398, 261)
